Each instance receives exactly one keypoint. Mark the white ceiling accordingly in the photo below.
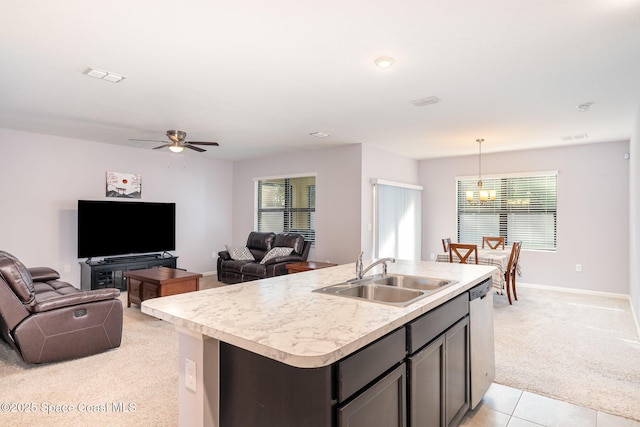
(260, 76)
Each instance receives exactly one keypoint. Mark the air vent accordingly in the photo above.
(104, 75)
(426, 101)
(574, 137)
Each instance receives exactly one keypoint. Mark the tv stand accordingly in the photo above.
(109, 273)
(130, 258)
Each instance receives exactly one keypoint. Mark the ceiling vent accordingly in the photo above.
(104, 75)
(426, 101)
(577, 137)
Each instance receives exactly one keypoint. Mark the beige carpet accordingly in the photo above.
(578, 348)
(141, 375)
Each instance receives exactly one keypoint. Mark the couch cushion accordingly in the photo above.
(261, 241)
(240, 253)
(275, 253)
(254, 269)
(290, 240)
(234, 266)
(18, 277)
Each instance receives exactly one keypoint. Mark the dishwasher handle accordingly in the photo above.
(481, 290)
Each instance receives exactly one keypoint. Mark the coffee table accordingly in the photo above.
(298, 267)
(159, 282)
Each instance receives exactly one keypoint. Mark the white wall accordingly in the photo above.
(378, 163)
(593, 211)
(338, 172)
(42, 177)
(634, 195)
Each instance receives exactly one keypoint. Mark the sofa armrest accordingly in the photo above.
(224, 255)
(42, 274)
(82, 297)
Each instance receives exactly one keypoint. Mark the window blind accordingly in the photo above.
(286, 205)
(398, 219)
(525, 209)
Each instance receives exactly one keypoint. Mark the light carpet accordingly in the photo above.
(578, 348)
(135, 384)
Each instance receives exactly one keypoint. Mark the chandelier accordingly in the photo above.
(483, 195)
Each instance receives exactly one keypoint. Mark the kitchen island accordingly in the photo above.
(299, 343)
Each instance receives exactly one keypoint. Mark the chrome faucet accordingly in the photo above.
(360, 272)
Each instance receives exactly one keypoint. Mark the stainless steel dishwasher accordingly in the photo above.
(483, 360)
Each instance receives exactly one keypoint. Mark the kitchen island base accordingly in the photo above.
(248, 354)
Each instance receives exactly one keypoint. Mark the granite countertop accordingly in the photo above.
(281, 318)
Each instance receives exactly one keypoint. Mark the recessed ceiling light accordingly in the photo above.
(104, 75)
(319, 134)
(426, 101)
(584, 107)
(384, 62)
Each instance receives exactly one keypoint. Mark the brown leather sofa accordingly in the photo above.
(259, 244)
(47, 320)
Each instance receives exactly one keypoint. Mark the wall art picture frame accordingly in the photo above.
(124, 185)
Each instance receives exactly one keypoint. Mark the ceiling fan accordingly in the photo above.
(178, 142)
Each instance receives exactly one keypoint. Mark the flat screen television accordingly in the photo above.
(108, 228)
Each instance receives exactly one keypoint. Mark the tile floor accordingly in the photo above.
(504, 406)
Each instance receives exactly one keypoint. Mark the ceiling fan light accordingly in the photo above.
(176, 148)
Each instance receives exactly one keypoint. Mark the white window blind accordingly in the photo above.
(525, 209)
(286, 205)
(398, 218)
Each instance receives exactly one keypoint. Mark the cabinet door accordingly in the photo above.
(457, 389)
(381, 405)
(426, 385)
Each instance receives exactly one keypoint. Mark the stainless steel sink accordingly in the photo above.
(366, 289)
(393, 289)
(414, 282)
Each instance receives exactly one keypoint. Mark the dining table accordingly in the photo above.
(495, 257)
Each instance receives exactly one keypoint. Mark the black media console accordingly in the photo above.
(109, 273)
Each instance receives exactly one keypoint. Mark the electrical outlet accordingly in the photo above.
(190, 374)
(213, 254)
(433, 257)
(578, 267)
(67, 268)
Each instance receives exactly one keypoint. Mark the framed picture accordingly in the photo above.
(126, 185)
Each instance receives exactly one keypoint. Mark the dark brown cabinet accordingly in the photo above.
(381, 405)
(438, 373)
(417, 375)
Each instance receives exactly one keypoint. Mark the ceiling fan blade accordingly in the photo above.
(198, 149)
(150, 140)
(203, 143)
(162, 146)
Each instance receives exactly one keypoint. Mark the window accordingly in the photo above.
(398, 219)
(287, 205)
(525, 209)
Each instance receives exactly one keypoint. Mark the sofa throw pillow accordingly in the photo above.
(276, 252)
(240, 253)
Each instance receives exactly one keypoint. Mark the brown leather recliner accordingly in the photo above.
(47, 320)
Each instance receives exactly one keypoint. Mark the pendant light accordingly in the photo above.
(483, 195)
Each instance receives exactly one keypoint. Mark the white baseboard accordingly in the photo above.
(209, 273)
(635, 318)
(574, 291)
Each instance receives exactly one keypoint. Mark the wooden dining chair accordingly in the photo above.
(445, 244)
(512, 270)
(493, 242)
(463, 251)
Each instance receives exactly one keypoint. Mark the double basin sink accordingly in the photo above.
(393, 289)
